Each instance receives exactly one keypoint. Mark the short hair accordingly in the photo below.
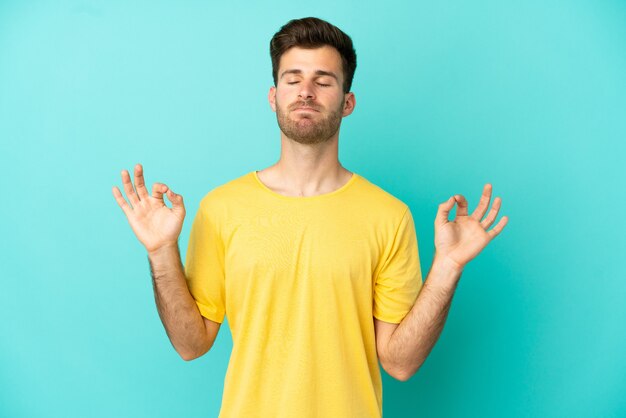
(311, 32)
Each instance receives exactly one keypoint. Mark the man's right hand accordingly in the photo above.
(154, 224)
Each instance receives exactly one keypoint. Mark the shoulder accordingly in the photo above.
(225, 194)
(380, 200)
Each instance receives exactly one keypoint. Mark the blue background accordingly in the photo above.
(529, 96)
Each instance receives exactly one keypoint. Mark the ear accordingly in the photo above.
(272, 98)
(349, 102)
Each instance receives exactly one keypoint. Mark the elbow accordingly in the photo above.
(187, 357)
(401, 375)
(192, 351)
(191, 355)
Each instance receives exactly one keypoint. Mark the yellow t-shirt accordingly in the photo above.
(300, 280)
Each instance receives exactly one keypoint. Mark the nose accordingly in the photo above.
(307, 90)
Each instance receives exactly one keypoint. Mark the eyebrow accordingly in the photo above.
(318, 72)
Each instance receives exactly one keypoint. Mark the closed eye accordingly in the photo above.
(319, 84)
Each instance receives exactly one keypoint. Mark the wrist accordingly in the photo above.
(163, 250)
(444, 273)
(446, 264)
(164, 261)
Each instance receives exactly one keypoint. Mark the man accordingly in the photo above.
(316, 268)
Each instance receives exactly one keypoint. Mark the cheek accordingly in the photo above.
(282, 98)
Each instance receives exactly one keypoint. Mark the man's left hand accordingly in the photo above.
(460, 240)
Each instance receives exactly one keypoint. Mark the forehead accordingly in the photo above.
(324, 58)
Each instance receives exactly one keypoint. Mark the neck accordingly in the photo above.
(306, 170)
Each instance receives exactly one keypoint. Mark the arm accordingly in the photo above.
(157, 227)
(191, 334)
(404, 347)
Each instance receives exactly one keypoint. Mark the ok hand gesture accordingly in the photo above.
(153, 223)
(462, 239)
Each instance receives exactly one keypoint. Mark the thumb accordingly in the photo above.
(444, 211)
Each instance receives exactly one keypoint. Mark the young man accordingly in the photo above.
(316, 268)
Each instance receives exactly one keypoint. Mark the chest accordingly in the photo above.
(302, 246)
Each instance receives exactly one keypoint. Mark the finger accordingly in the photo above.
(157, 191)
(121, 201)
(140, 184)
(128, 189)
(177, 201)
(499, 227)
(483, 204)
(444, 211)
(462, 209)
(493, 213)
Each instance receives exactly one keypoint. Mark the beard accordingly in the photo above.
(307, 129)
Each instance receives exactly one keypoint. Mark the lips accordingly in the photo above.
(305, 105)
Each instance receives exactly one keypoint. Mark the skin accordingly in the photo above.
(309, 166)
(403, 348)
(157, 227)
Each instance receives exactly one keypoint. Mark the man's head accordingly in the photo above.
(313, 66)
(309, 33)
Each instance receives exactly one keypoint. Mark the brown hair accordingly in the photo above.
(311, 32)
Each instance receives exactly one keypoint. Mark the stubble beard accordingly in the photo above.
(306, 129)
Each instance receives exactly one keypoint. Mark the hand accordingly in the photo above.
(153, 223)
(462, 239)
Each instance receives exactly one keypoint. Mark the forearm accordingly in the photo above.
(418, 332)
(177, 309)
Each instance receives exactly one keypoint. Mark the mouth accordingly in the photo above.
(306, 109)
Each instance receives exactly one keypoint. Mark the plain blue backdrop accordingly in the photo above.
(529, 96)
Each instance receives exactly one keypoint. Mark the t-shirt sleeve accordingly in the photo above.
(204, 265)
(400, 278)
